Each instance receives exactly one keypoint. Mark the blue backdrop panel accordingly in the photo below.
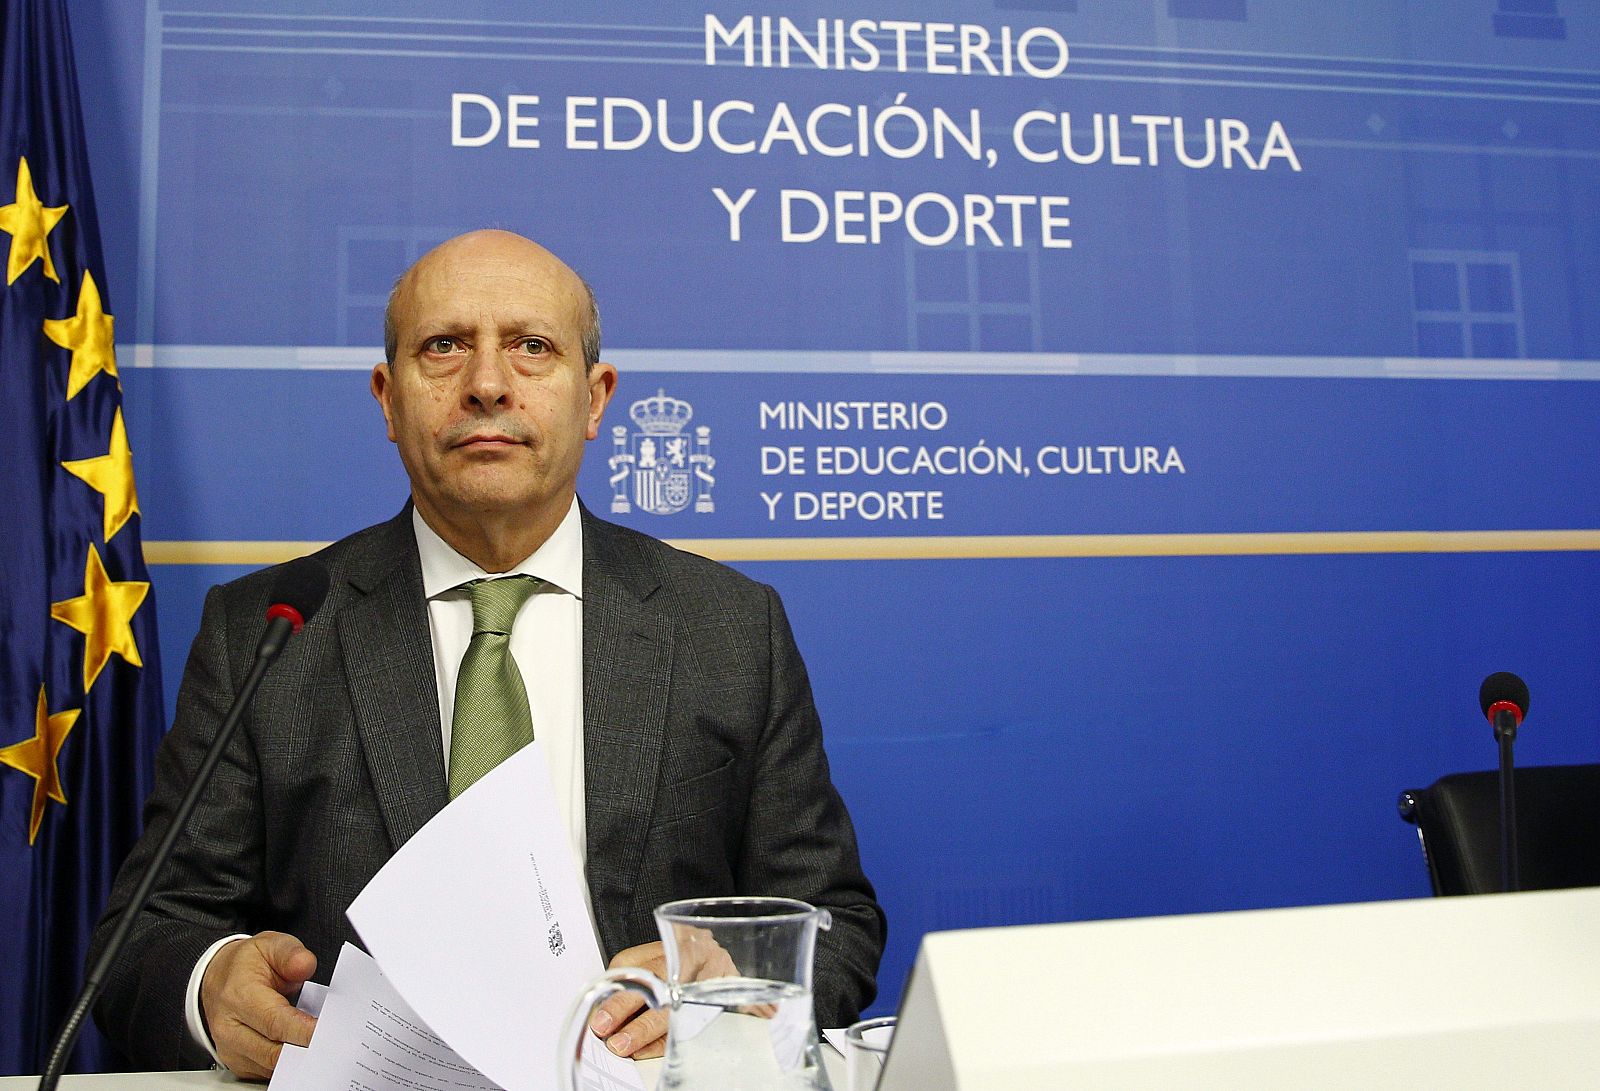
(1231, 454)
(1390, 326)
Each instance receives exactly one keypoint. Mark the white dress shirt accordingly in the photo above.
(547, 644)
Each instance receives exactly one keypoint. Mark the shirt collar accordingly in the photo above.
(559, 561)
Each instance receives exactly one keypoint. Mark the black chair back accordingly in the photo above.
(1558, 828)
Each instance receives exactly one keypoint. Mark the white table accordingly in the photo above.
(131, 1081)
(199, 1081)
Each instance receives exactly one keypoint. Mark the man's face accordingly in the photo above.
(488, 399)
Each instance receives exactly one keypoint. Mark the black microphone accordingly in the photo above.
(297, 591)
(1504, 700)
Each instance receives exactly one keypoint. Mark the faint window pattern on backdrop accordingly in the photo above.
(1529, 19)
(370, 260)
(1467, 303)
(966, 299)
(1232, 10)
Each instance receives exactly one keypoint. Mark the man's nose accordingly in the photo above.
(487, 382)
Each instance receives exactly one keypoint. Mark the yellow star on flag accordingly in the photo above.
(88, 335)
(104, 615)
(111, 475)
(37, 758)
(29, 222)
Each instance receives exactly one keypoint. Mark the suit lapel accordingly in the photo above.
(627, 666)
(388, 660)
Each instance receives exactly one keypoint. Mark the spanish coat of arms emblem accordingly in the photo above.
(661, 466)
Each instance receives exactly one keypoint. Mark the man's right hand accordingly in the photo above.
(244, 997)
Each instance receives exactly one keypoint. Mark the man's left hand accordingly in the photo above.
(628, 1028)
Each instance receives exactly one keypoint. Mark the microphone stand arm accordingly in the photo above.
(271, 644)
(1505, 732)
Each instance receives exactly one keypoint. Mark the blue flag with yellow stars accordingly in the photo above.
(80, 688)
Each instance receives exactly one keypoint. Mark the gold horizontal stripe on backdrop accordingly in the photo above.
(977, 547)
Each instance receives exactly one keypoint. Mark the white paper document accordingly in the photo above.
(312, 995)
(369, 1039)
(479, 922)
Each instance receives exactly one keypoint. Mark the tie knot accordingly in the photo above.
(495, 602)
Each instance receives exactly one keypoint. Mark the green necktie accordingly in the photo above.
(491, 719)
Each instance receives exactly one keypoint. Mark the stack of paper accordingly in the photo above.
(484, 939)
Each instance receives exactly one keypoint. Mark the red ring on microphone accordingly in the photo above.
(1500, 706)
(290, 614)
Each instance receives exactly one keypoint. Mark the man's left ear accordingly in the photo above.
(602, 384)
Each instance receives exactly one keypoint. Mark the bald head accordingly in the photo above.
(492, 244)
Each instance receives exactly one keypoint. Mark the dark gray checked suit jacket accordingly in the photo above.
(703, 765)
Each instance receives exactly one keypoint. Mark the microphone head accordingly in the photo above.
(1502, 688)
(298, 590)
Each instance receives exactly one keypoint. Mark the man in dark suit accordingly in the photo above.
(696, 768)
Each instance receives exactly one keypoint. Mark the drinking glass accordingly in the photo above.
(866, 1048)
(738, 994)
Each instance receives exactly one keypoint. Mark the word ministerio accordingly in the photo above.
(872, 45)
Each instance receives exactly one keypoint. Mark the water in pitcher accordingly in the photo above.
(743, 1034)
